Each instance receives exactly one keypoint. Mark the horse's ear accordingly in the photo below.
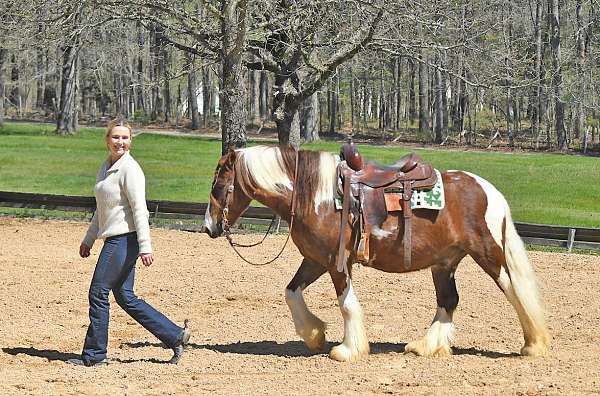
(231, 154)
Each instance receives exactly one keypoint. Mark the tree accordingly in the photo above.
(557, 79)
(192, 92)
(233, 88)
(498, 61)
(3, 56)
(302, 46)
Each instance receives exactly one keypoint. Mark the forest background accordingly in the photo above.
(498, 73)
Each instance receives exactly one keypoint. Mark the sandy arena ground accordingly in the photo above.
(243, 338)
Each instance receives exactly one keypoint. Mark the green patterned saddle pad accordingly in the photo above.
(423, 199)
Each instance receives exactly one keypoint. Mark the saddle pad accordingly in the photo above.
(424, 199)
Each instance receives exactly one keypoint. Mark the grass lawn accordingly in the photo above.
(541, 188)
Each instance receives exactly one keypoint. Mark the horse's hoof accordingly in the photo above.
(442, 350)
(535, 350)
(342, 353)
(416, 347)
(316, 340)
(422, 348)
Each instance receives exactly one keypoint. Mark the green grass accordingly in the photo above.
(177, 169)
(541, 188)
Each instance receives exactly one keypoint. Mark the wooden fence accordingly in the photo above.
(174, 212)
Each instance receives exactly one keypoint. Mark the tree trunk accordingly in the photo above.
(66, 122)
(309, 127)
(581, 77)
(288, 126)
(557, 83)
(352, 100)
(50, 91)
(15, 96)
(333, 107)
(233, 90)
(423, 99)
(398, 94)
(264, 96)
(166, 60)
(139, 74)
(537, 113)
(157, 104)
(41, 77)
(206, 96)
(509, 104)
(365, 101)
(509, 117)
(322, 111)
(463, 107)
(254, 99)
(474, 130)
(41, 55)
(444, 84)
(3, 56)
(382, 102)
(286, 107)
(412, 98)
(192, 93)
(118, 99)
(438, 106)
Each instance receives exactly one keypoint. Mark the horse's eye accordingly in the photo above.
(217, 189)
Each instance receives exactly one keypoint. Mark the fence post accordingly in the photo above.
(571, 239)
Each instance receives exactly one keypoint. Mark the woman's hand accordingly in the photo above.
(147, 259)
(84, 250)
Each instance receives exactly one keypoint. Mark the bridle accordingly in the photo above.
(227, 227)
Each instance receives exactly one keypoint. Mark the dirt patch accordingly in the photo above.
(243, 338)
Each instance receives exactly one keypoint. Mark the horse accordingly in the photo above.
(475, 221)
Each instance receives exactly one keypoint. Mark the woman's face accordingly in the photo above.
(118, 141)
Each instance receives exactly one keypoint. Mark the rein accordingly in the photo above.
(227, 227)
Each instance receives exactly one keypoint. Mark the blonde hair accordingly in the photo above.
(116, 123)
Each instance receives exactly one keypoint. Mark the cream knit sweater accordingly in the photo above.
(120, 203)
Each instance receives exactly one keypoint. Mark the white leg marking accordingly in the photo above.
(308, 326)
(438, 339)
(355, 344)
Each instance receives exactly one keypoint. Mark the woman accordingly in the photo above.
(121, 219)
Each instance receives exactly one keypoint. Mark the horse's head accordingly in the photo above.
(227, 199)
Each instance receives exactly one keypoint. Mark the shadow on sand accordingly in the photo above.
(49, 354)
(264, 348)
(299, 349)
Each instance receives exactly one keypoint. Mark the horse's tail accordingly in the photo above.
(522, 290)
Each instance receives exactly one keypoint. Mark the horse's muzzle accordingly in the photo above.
(211, 233)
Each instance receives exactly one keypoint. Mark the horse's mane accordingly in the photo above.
(272, 169)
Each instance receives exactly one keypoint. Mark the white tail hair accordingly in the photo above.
(521, 288)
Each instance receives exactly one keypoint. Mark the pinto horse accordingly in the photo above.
(475, 221)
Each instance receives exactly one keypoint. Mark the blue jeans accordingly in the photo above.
(115, 271)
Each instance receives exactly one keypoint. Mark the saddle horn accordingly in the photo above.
(350, 154)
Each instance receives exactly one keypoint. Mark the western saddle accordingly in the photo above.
(371, 189)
